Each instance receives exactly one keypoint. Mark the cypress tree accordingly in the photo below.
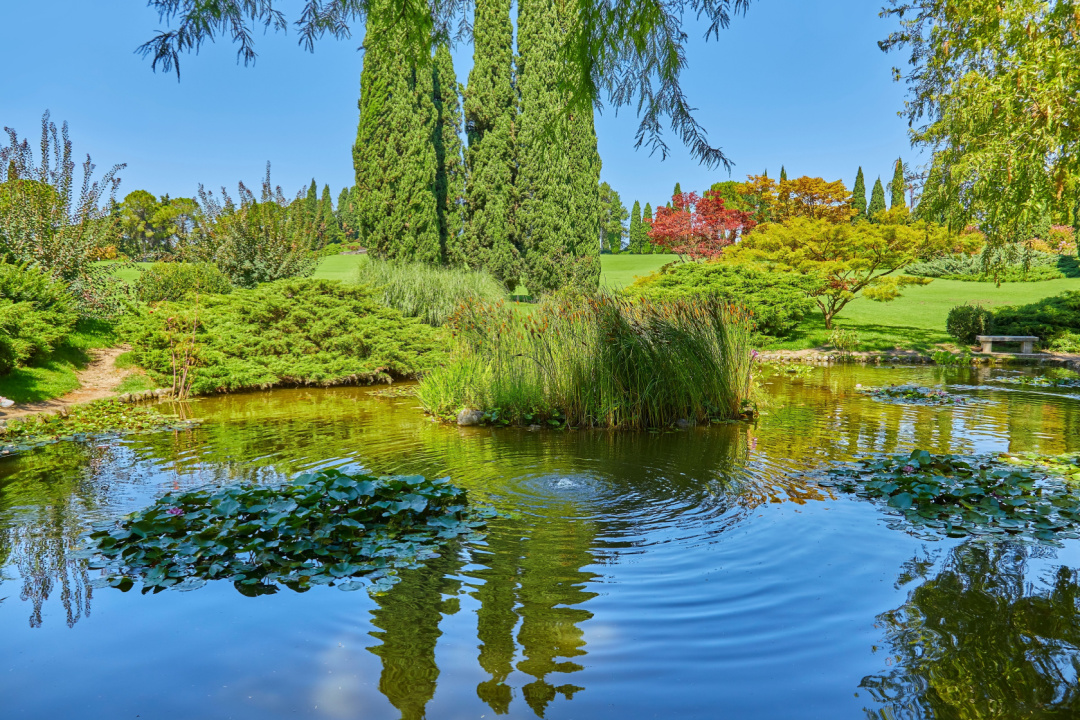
(858, 197)
(637, 234)
(394, 154)
(877, 200)
(674, 193)
(646, 225)
(783, 174)
(449, 161)
(490, 125)
(311, 202)
(897, 185)
(327, 219)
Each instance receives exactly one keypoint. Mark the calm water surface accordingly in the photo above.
(691, 574)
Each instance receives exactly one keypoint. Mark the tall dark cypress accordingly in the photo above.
(897, 185)
(783, 174)
(490, 125)
(646, 222)
(331, 229)
(558, 167)
(394, 155)
(877, 200)
(858, 197)
(449, 160)
(311, 203)
(637, 230)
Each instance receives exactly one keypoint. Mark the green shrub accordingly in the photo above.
(1009, 265)
(36, 314)
(175, 281)
(965, 322)
(290, 332)
(429, 293)
(605, 362)
(1054, 320)
(778, 300)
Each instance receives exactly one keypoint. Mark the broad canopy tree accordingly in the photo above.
(698, 227)
(846, 259)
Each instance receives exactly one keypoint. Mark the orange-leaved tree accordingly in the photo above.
(847, 259)
(807, 197)
(698, 227)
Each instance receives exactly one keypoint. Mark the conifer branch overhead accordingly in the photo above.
(629, 53)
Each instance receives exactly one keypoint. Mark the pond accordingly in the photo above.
(690, 574)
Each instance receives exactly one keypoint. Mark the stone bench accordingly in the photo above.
(1026, 342)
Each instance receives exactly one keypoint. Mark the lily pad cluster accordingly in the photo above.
(1067, 465)
(914, 395)
(93, 421)
(956, 496)
(325, 528)
(1039, 381)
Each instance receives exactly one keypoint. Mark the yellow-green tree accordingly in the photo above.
(846, 259)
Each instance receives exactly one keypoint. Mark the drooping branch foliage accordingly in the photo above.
(992, 93)
(630, 52)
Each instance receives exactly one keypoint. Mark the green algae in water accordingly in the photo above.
(956, 496)
(325, 528)
(915, 395)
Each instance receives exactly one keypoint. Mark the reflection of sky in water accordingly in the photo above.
(646, 574)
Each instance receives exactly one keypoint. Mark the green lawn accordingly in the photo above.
(339, 267)
(917, 319)
(618, 271)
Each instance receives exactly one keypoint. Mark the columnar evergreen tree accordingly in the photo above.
(858, 197)
(449, 160)
(612, 219)
(331, 229)
(311, 203)
(646, 224)
(638, 238)
(490, 124)
(783, 174)
(897, 185)
(676, 191)
(877, 200)
(394, 155)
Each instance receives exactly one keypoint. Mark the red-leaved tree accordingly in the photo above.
(698, 227)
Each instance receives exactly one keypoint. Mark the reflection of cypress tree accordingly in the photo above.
(496, 617)
(409, 617)
(552, 584)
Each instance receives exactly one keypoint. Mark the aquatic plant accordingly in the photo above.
(956, 496)
(429, 293)
(599, 361)
(96, 420)
(324, 528)
(914, 395)
(947, 359)
(796, 369)
(1067, 464)
(1039, 381)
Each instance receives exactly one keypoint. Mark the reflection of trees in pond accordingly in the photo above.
(44, 497)
(982, 638)
(532, 581)
(408, 617)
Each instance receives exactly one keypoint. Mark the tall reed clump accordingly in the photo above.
(601, 361)
(429, 293)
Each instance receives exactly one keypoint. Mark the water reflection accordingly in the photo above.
(984, 635)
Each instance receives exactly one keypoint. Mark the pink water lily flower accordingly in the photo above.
(908, 470)
(174, 511)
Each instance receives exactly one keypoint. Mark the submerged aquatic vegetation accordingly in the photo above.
(1067, 464)
(914, 395)
(325, 528)
(1039, 381)
(957, 496)
(598, 361)
(103, 418)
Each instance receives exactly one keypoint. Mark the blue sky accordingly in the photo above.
(795, 83)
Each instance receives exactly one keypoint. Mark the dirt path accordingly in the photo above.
(95, 382)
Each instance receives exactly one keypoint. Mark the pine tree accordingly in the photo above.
(877, 200)
(646, 224)
(897, 185)
(490, 124)
(394, 155)
(637, 234)
(449, 160)
(328, 220)
(858, 197)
